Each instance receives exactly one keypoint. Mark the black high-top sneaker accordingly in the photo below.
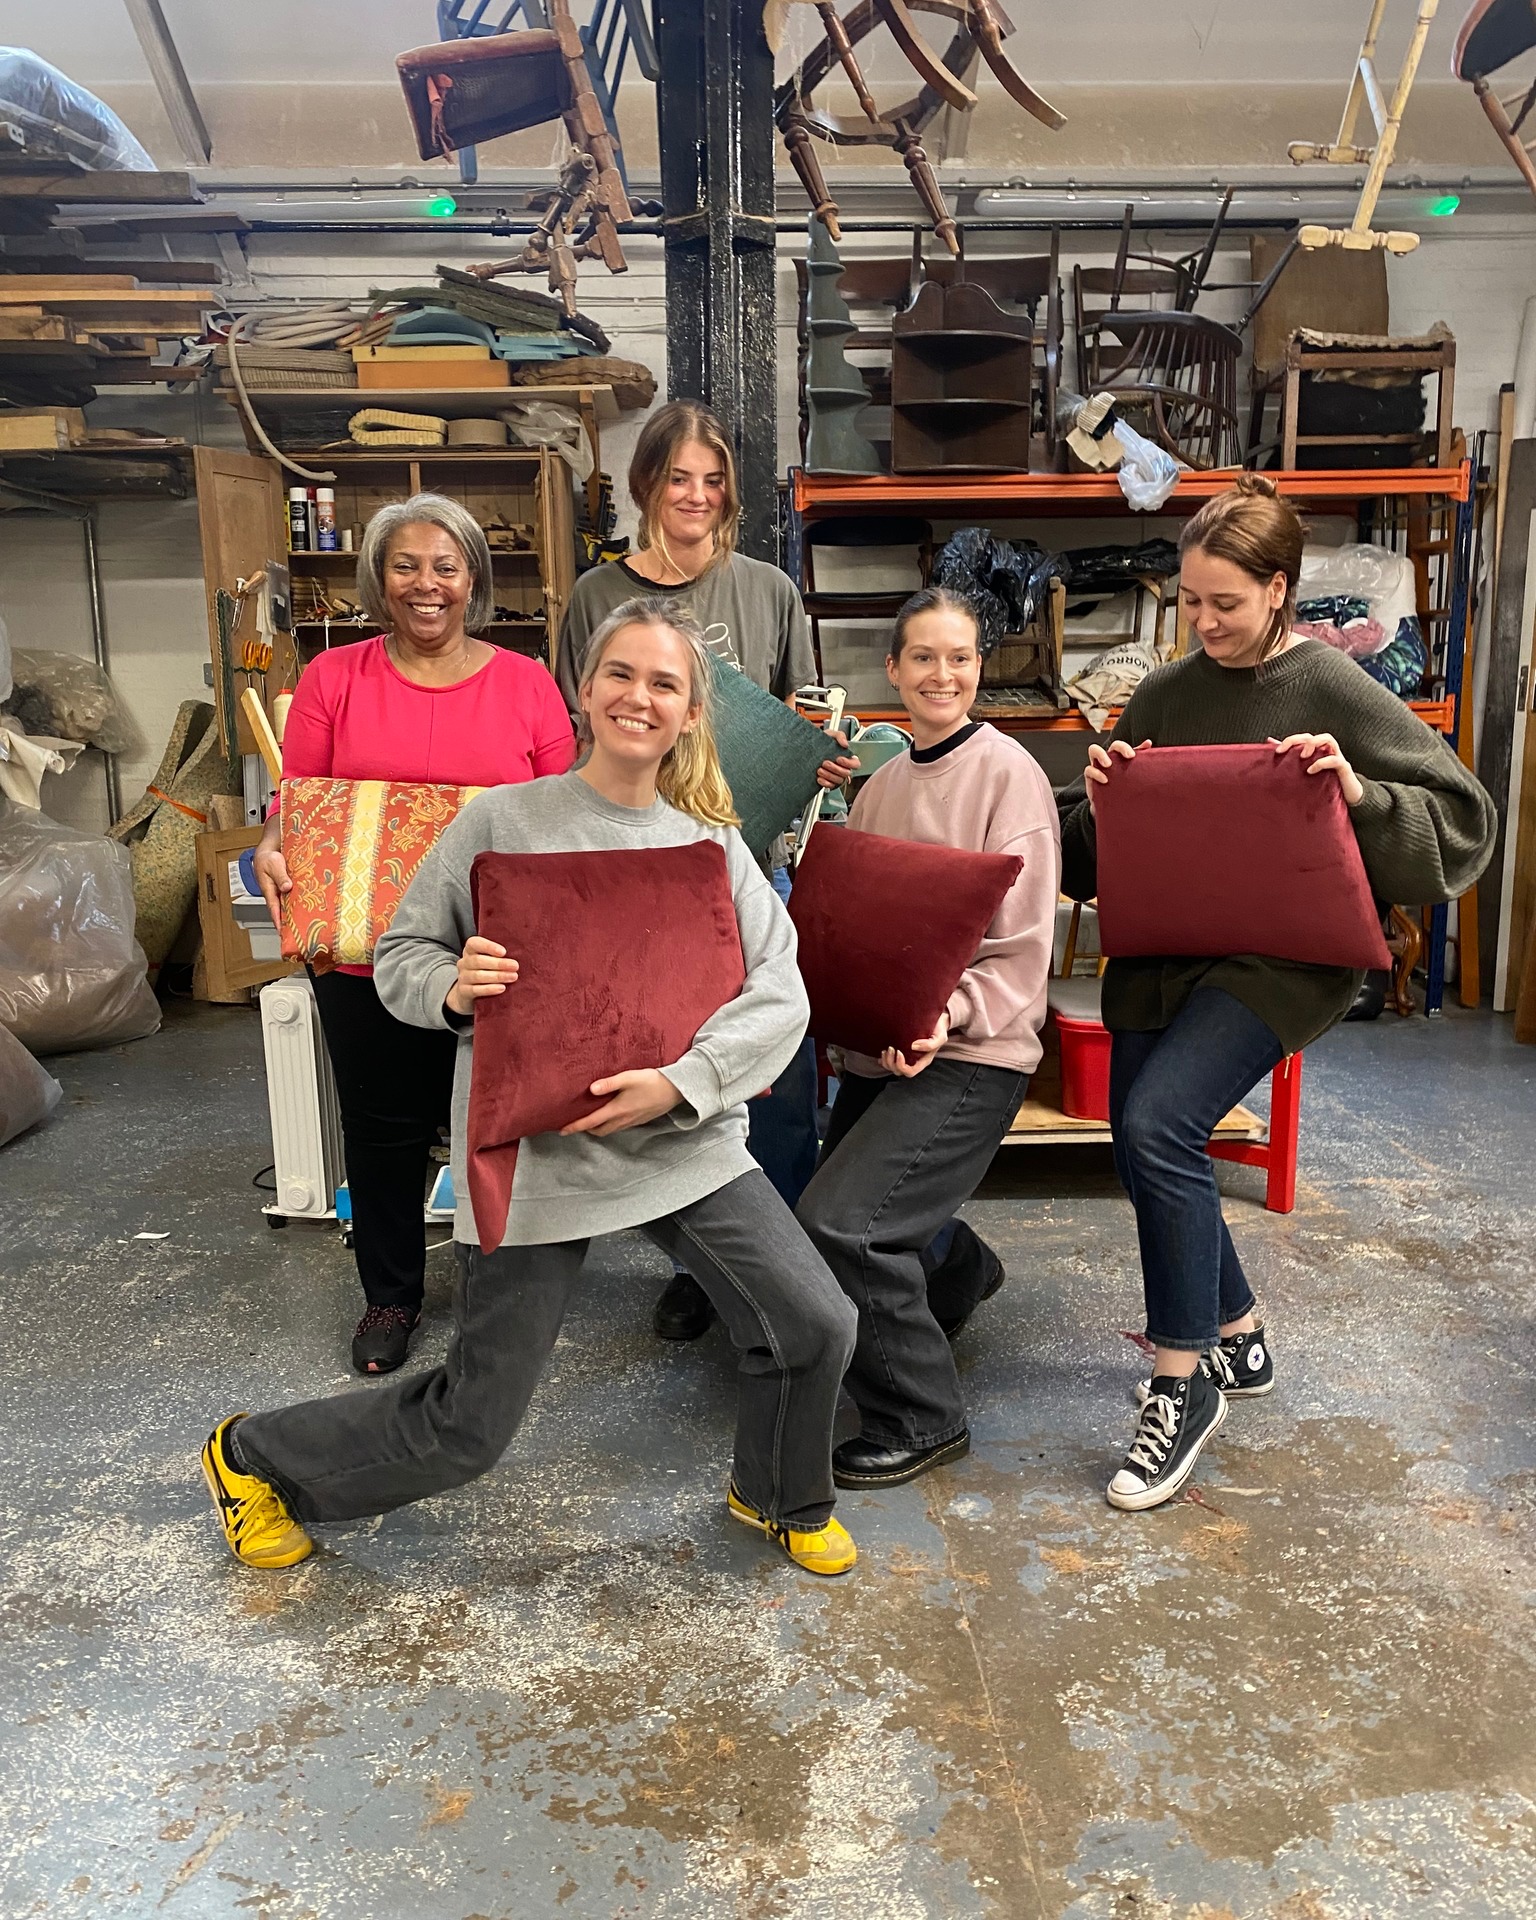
(1177, 1419)
(1241, 1365)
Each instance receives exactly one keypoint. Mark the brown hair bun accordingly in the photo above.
(1255, 528)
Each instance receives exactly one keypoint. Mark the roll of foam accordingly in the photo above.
(1525, 375)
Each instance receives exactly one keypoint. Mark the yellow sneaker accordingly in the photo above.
(827, 1551)
(254, 1515)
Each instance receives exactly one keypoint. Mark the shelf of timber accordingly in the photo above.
(1040, 1122)
(967, 498)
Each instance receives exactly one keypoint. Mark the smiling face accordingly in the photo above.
(639, 699)
(937, 672)
(692, 496)
(1227, 607)
(427, 584)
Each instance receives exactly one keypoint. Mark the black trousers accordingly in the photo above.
(395, 1085)
(900, 1155)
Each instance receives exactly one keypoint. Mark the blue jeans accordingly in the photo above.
(1167, 1091)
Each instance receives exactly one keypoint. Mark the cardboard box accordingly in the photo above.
(41, 429)
(231, 968)
(459, 350)
(396, 376)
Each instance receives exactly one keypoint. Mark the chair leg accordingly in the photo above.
(1284, 1133)
(1412, 937)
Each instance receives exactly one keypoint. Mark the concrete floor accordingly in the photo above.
(574, 1689)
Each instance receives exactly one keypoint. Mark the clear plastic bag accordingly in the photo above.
(69, 697)
(72, 976)
(1147, 474)
(62, 121)
(27, 1093)
(540, 423)
(1360, 571)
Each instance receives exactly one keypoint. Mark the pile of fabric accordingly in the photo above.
(1364, 601)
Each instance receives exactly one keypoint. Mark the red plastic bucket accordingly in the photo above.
(1084, 1068)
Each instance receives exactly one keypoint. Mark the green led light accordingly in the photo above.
(1442, 209)
(443, 206)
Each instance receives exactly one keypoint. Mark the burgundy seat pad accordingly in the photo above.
(886, 929)
(622, 957)
(1217, 851)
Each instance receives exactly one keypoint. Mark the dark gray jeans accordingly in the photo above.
(363, 1453)
(899, 1157)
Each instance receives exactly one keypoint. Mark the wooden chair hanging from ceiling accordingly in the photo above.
(1494, 33)
(477, 88)
(616, 30)
(981, 26)
(1387, 116)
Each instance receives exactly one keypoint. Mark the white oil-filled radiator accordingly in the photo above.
(301, 1095)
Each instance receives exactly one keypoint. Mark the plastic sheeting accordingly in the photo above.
(68, 696)
(72, 976)
(28, 1094)
(62, 121)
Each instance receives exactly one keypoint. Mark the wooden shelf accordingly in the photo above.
(941, 496)
(448, 403)
(302, 559)
(1439, 714)
(1038, 1124)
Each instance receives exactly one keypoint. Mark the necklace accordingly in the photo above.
(462, 659)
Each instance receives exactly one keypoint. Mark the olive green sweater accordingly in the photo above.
(1425, 826)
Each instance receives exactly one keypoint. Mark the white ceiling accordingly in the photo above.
(1153, 42)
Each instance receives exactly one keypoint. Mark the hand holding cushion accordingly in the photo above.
(623, 956)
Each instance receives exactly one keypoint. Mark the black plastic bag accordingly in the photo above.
(1005, 581)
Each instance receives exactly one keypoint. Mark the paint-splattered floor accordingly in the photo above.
(574, 1690)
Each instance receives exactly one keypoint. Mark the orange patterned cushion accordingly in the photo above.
(352, 848)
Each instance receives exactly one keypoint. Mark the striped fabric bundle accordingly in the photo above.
(352, 848)
(380, 427)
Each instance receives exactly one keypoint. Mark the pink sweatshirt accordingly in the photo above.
(991, 796)
(355, 716)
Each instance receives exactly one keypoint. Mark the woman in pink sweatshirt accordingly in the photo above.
(424, 701)
(909, 1140)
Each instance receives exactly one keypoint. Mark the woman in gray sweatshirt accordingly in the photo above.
(666, 1153)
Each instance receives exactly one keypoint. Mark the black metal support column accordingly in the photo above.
(717, 152)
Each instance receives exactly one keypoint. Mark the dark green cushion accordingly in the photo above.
(770, 756)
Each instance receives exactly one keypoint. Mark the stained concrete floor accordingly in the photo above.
(573, 1689)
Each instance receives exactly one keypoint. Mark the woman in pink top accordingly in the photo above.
(424, 701)
(909, 1140)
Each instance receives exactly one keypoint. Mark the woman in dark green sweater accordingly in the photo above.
(1192, 1036)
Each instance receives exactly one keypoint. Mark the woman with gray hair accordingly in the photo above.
(422, 701)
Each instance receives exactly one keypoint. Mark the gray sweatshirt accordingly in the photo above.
(570, 1188)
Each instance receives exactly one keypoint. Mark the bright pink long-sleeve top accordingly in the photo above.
(355, 716)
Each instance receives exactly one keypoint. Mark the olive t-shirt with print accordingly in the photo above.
(749, 610)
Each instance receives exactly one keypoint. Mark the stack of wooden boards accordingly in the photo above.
(63, 334)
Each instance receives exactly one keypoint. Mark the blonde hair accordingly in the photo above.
(1255, 529)
(668, 430)
(690, 776)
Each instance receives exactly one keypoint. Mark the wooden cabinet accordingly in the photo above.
(523, 499)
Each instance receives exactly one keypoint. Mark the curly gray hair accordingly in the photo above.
(433, 510)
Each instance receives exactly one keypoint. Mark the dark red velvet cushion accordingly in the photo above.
(1228, 850)
(622, 957)
(886, 929)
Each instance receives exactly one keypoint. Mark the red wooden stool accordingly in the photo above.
(1277, 1154)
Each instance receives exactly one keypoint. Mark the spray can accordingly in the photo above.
(298, 520)
(325, 519)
